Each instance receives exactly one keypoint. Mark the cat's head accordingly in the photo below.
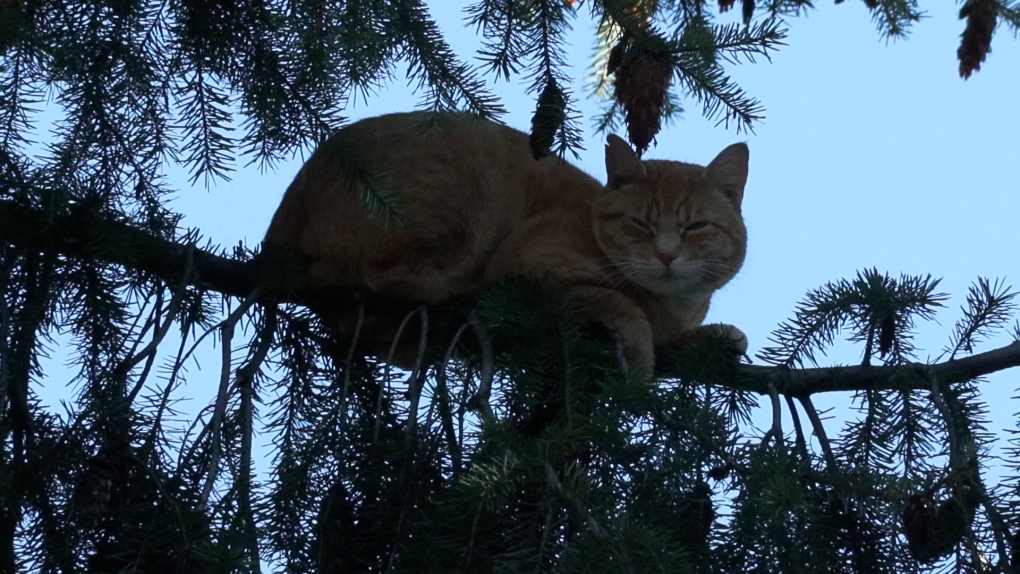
(673, 228)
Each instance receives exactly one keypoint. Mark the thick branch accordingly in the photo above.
(89, 235)
(915, 376)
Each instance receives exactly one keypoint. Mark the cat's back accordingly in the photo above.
(405, 169)
(424, 187)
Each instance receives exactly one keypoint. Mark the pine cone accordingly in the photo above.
(696, 516)
(933, 532)
(886, 335)
(11, 22)
(617, 54)
(548, 119)
(1014, 549)
(640, 13)
(107, 471)
(976, 40)
(335, 527)
(748, 10)
(720, 472)
(725, 5)
(640, 87)
(919, 525)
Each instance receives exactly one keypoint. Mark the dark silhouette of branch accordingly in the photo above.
(914, 376)
(89, 235)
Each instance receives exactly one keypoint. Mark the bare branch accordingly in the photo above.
(219, 413)
(823, 439)
(911, 376)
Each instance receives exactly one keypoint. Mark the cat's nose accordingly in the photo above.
(665, 256)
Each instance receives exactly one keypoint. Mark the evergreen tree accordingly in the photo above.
(516, 443)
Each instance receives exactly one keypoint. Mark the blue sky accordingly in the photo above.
(872, 154)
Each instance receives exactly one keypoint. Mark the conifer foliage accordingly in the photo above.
(517, 443)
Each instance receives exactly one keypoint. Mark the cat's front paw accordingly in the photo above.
(637, 358)
(727, 335)
(636, 354)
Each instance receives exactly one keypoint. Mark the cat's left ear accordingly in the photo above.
(729, 171)
(622, 164)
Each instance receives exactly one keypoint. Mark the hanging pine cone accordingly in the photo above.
(107, 471)
(336, 525)
(886, 335)
(720, 472)
(639, 14)
(919, 524)
(548, 120)
(696, 516)
(934, 532)
(747, 10)
(976, 40)
(1014, 549)
(640, 88)
(11, 21)
(617, 54)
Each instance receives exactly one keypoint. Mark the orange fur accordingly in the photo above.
(474, 207)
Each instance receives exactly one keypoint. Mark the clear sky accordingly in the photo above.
(872, 154)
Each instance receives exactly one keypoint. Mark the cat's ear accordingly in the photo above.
(729, 171)
(622, 164)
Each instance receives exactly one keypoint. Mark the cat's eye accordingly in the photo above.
(697, 226)
(642, 224)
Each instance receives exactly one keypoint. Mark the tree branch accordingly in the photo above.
(913, 376)
(88, 234)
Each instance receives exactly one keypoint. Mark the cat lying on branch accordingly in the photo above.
(427, 208)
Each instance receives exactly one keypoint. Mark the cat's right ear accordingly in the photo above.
(729, 171)
(622, 164)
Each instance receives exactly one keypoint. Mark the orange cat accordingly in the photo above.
(642, 254)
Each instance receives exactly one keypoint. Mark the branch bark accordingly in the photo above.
(89, 235)
(914, 376)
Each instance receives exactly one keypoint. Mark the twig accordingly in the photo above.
(151, 321)
(417, 377)
(998, 527)
(5, 335)
(546, 531)
(220, 411)
(481, 398)
(157, 420)
(819, 428)
(245, 384)
(443, 398)
(466, 552)
(949, 417)
(577, 506)
(150, 350)
(348, 361)
(776, 432)
(798, 429)
(386, 374)
(669, 422)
